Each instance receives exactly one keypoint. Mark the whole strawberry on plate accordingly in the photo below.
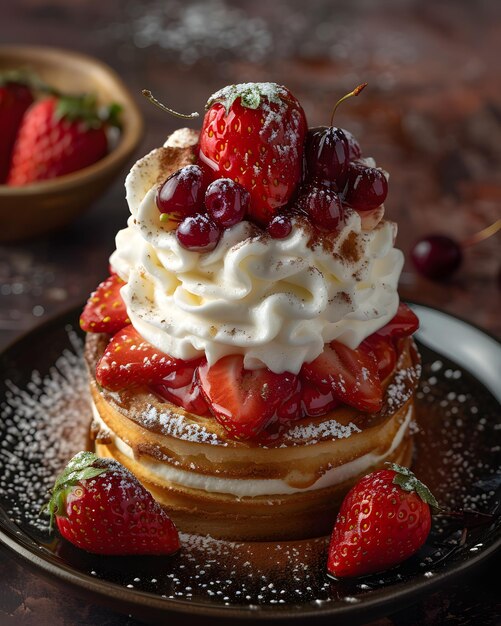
(254, 133)
(101, 507)
(15, 98)
(59, 135)
(383, 520)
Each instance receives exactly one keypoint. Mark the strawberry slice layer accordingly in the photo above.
(130, 361)
(105, 310)
(403, 324)
(244, 401)
(351, 375)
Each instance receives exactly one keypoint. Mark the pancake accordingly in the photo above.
(289, 487)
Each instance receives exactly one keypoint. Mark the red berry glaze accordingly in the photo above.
(100, 507)
(403, 324)
(227, 202)
(437, 256)
(366, 187)
(189, 397)
(383, 520)
(384, 351)
(198, 233)
(182, 194)
(254, 133)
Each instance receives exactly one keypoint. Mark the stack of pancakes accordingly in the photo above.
(289, 487)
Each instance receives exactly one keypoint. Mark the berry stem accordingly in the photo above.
(482, 235)
(147, 94)
(355, 92)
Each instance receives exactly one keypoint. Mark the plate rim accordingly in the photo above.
(393, 595)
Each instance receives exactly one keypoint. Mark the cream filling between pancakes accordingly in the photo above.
(240, 487)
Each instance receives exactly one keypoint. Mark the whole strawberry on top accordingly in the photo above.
(15, 98)
(60, 135)
(254, 133)
(101, 507)
(383, 520)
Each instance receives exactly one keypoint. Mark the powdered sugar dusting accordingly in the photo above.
(44, 424)
(312, 433)
(176, 425)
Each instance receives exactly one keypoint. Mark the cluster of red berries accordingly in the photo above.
(321, 171)
(203, 210)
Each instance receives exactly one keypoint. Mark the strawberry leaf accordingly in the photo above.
(250, 95)
(84, 108)
(407, 481)
(81, 467)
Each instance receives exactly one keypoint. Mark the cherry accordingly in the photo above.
(327, 154)
(323, 205)
(182, 194)
(227, 202)
(366, 187)
(329, 149)
(280, 227)
(439, 256)
(198, 233)
(354, 149)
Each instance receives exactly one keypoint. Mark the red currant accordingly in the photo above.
(227, 202)
(323, 206)
(327, 154)
(183, 192)
(280, 227)
(437, 256)
(198, 233)
(366, 187)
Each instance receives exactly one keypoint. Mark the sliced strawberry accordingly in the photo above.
(243, 401)
(351, 375)
(129, 360)
(290, 409)
(403, 324)
(105, 310)
(316, 402)
(384, 351)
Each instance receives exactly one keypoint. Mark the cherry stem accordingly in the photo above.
(483, 234)
(355, 92)
(147, 94)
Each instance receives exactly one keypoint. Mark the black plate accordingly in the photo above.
(45, 415)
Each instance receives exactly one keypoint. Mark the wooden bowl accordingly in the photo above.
(43, 206)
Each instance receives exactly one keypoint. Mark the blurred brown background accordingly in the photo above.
(431, 116)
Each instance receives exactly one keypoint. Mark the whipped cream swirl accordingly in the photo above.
(275, 301)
